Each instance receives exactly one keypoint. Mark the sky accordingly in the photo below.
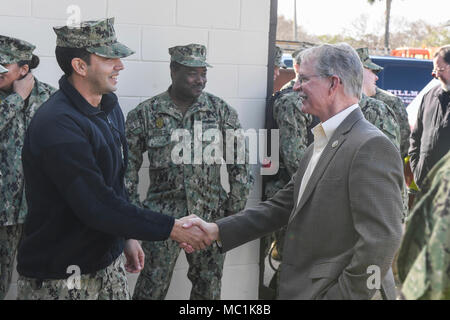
(339, 14)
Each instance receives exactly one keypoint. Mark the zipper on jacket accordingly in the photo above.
(113, 128)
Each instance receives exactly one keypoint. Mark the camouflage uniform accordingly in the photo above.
(15, 116)
(382, 117)
(396, 105)
(288, 85)
(183, 189)
(424, 256)
(107, 284)
(278, 58)
(293, 125)
(376, 114)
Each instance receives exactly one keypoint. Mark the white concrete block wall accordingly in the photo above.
(236, 35)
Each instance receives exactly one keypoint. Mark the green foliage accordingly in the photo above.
(402, 34)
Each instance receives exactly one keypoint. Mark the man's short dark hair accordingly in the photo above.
(444, 52)
(64, 57)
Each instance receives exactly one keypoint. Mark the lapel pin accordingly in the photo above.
(335, 143)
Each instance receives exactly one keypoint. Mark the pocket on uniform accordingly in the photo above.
(158, 138)
(159, 149)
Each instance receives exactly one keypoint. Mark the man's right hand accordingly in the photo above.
(210, 229)
(194, 236)
(24, 86)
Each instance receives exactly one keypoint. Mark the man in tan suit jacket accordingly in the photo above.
(343, 206)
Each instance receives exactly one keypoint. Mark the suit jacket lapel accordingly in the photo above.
(328, 153)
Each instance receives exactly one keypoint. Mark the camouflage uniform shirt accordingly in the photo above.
(382, 117)
(293, 129)
(397, 106)
(424, 256)
(181, 189)
(15, 116)
(288, 85)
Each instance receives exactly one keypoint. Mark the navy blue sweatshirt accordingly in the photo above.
(74, 160)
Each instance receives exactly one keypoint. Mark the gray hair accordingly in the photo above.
(340, 60)
(444, 52)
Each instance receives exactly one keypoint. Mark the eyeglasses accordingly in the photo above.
(435, 71)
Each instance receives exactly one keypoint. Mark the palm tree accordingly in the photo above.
(386, 25)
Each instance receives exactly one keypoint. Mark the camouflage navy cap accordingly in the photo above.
(3, 69)
(303, 46)
(13, 50)
(278, 55)
(191, 55)
(363, 54)
(97, 36)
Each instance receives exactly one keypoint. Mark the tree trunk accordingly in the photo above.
(386, 29)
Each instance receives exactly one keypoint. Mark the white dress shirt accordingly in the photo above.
(322, 134)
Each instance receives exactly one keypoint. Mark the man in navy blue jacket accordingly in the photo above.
(74, 158)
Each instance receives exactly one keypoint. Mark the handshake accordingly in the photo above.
(193, 233)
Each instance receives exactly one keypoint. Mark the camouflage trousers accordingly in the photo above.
(205, 271)
(405, 202)
(9, 241)
(107, 284)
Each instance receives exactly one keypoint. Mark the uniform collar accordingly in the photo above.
(108, 102)
(199, 105)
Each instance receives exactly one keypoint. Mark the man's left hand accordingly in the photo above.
(135, 256)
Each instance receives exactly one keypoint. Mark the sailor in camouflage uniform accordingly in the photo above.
(293, 127)
(278, 62)
(20, 95)
(424, 256)
(190, 186)
(293, 124)
(392, 101)
(296, 59)
(379, 114)
(396, 104)
(376, 111)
